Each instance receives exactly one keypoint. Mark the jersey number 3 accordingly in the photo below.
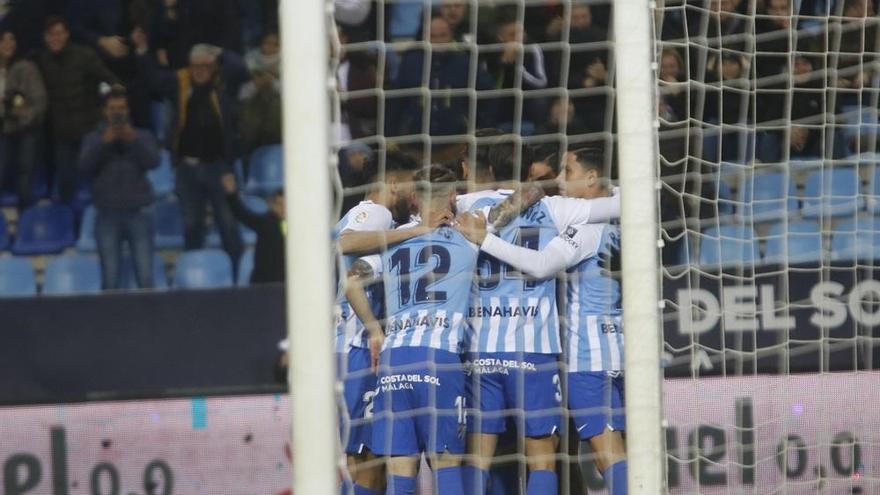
(401, 261)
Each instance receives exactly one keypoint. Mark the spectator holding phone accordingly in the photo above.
(117, 156)
(23, 110)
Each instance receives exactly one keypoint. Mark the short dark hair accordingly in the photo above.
(54, 20)
(435, 180)
(590, 159)
(504, 156)
(481, 150)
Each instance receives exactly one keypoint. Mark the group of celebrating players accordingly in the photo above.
(448, 328)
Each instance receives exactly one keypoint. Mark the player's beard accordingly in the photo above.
(401, 211)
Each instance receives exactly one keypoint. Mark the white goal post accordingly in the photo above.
(636, 137)
(309, 266)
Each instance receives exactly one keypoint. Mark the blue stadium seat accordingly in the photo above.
(726, 205)
(129, 280)
(729, 245)
(833, 192)
(266, 170)
(875, 191)
(245, 268)
(168, 224)
(856, 238)
(45, 229)
(76, 274)
(162, 177)
(803, 238)
(17, 278)
(4, 232)
(769, 196)
(203, 269)
(86, 242)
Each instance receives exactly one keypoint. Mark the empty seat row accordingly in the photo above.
(797, 241)
(773, 194)
(49, 229)
(81, 274)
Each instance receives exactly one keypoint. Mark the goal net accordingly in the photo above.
(767, 128)
(768, 138)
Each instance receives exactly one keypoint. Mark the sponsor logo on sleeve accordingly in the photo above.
(568, 236)
(361, 217)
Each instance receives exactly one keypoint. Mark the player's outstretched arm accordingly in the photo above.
(504, 212)
(557, 255)
(573, 211)
(370, 242)
(361, 274)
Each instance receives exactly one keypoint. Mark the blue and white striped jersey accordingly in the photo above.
(427, 283)
(512, 312)
(365, 217)
(590, 253)
(594, 323)
(516, 313)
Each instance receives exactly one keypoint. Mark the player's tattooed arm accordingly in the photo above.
(370, 242)
(359, 276)
(503, 213)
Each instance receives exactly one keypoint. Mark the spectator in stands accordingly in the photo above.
(204, 139)
(585, 38)
(507, 71)
(267, 56)
(562, 113)
(353, 172)
(116, 157)
(804, 143)
(180, 24)
(73, 75)
(593, 107)
(450, 68)
(106, 26)
(357, 71)
(455, 12)
(23, 110)
(260, 121)
(270, 228)
(26, 19)
(673, 88)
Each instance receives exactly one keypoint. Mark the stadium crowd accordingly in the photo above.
(744, 83)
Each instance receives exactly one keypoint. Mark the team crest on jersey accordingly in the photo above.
(571, 232)
(361, 217)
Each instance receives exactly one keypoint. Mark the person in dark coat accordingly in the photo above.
(204, 138)
(117, 157)
(23, 112)
(270, 227)
(73, 75)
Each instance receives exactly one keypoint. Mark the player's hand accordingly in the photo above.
(113, 45)
(377, 340)
(472, 226)
(438, 218)
(228, 182)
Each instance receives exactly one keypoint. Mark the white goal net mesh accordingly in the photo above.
(769, 196)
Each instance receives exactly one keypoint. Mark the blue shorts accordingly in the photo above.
(358, 388)
(420, 402)
(524, 387)
(595, 401)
